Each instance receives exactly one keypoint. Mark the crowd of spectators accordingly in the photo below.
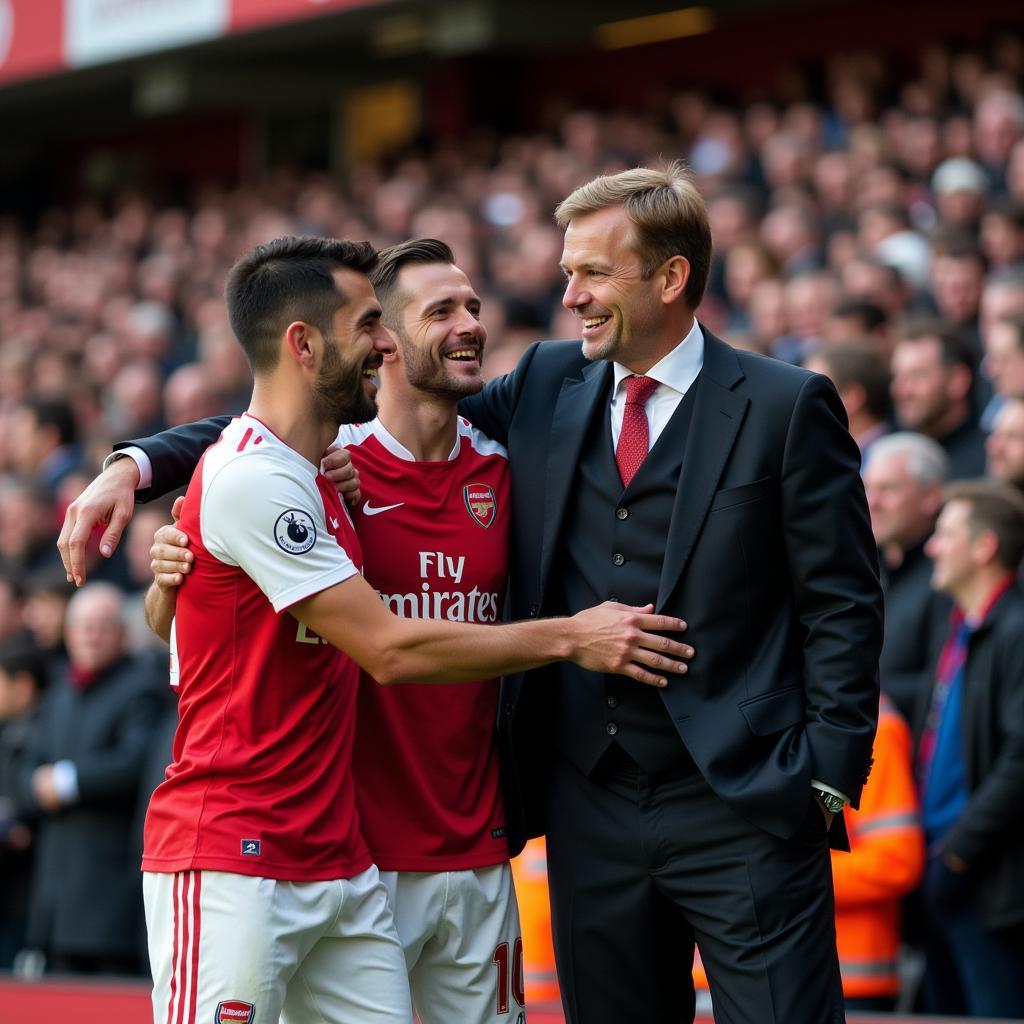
(873, 231)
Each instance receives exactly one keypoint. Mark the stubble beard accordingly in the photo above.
(338, 395)
(435, 380)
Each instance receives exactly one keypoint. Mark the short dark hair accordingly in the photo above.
(870, 315)
(390, 261)
(863, 363)
(995, 506)
(954, 347)
(288, 279)
(21, 655)
(55, 412)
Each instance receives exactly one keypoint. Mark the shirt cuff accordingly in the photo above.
(140, 458)
(65, 781)
(818, 784)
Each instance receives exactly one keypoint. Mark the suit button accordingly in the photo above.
(618, 558)
(534, 610)
(611, 728)
(509, 710)
(612, 702)
(622, 513)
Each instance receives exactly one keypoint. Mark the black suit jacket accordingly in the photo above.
(769, 557)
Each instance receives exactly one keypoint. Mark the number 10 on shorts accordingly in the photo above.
(510, 979)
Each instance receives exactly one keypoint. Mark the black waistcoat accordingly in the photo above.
(612, 547)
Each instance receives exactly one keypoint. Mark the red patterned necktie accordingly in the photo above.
(631, 450)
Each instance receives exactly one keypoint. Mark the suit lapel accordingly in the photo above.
(717, 415)
(576, 408)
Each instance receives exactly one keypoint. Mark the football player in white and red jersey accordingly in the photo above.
(434, 531)
(260, 895)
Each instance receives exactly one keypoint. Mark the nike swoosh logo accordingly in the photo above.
(369, 510)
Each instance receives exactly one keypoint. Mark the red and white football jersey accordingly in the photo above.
(435, 542)
(261, 780)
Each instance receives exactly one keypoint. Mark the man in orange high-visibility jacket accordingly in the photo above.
(530, 874)
(885, 862)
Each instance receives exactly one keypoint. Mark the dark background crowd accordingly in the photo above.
(867, 225)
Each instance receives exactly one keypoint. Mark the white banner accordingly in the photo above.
(102, 30)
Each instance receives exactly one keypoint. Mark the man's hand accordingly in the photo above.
(339, 470)
(44, 789)
(109, 499)
(170, 557)
(617, 638)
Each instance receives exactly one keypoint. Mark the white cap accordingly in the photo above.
(958, 174)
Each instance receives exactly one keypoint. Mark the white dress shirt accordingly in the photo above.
(675, 374)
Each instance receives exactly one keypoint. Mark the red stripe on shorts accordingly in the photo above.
(174, 953)
(196, 932)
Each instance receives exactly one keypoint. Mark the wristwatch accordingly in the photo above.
(832, 803)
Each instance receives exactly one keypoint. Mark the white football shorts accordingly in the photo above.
(462, 942)
(234, 949)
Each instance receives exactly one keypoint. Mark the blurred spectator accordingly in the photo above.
(1005, 444)
(47, 594)
(1003, 297)
(28, 526)
(12, 608)
(933, 393)
(44, 441)
(189, 395)
(860, 373)
(958, 279)
(884, 863)
(138, 539)
(80, 777)
(854, 319)
(998, 126)
(136, 392)
(22, 681)
(960, 186)
(970, 757)
(809, 299)
(747, 263)
(903, 477)
(1002, 235)
(870, 280)
(1004, 356)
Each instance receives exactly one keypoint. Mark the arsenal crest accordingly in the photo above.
(234, 1011)
(480, 503)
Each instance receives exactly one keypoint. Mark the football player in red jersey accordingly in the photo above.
(316, 380)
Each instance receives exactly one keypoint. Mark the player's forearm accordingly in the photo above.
(160, 605)
(433, 651)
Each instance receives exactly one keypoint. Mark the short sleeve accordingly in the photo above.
(263, 515)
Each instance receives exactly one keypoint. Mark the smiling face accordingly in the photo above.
(440, 337)
(953, 548)
(346, 382)
(620, 312)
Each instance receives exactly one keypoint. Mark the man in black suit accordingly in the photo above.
(701, 814)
